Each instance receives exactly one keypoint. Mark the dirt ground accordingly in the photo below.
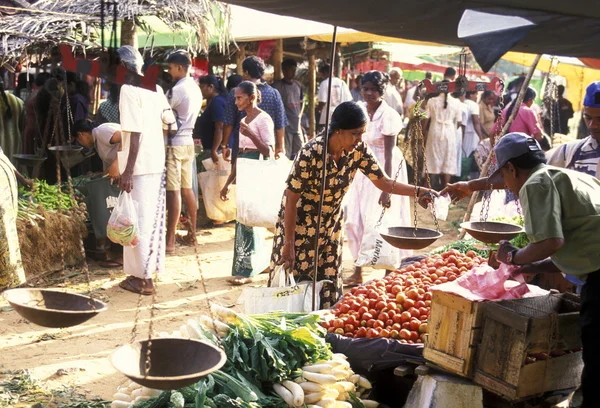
(79, 356)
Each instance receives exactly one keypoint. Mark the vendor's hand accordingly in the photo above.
(457, 191)
(225, 192)
(528, 270)
(504, 248)
(226, 153)
(126, 181)
(214, 155)
(278, 152)
(288, 256)
(384, 200)
(113, 172)
(426, 196)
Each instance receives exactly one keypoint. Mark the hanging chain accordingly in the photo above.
(384, 208)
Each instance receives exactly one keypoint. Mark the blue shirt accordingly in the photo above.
(205, 124)
(270, 102)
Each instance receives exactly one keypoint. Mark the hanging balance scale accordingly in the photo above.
(166, 363)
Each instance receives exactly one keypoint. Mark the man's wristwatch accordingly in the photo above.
(511, 256)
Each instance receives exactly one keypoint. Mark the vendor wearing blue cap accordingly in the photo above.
(583, 155)
(561, 209)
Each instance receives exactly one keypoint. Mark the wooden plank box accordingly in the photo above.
(454, 332)
(512, 329)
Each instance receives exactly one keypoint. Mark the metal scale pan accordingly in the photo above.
(491, 232)
(410, 237)
(176, 362)
(53, 308)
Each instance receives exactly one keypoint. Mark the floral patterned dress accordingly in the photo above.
(305, 179)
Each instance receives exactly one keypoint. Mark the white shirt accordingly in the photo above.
(587, 162)
(393, 98)
(410, 97)
(142, 111)
(186, 100)
(106, 150)
(339, 93)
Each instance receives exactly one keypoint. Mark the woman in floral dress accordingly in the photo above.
(293, 244)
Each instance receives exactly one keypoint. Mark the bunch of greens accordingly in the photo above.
(47, 196)
(463, 246)
(521, 240)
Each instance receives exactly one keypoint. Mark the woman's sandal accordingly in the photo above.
(185, 240)
(128, 285)
(239, 281)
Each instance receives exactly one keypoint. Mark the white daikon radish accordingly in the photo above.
(193, 329)
(340, 374)
(326, 403)
(299, 380)
(354, 378)
(339, 356)
(324, 379)
(297, 392)
(348, 386)
(133, 386)
(150, 392)
(343, 397)
(313, 397)
(284, 393)
(138, 393)
(342, 404)
(119, 396)
(331, 393)
(141, 398)
(369, 403)
(120, 404)
(184, 331)
(364, 383)
(309, 387)
(318, 368)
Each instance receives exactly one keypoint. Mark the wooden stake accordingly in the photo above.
(505, 128)
(277, 60)
(312, 90)
(129, 33)
(239, 58)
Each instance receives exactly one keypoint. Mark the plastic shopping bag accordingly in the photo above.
(122, 226)
(287, 296)
(211, 183)
(260, 185)
(441, 205)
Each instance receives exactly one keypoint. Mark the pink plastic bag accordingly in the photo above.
(487, 283)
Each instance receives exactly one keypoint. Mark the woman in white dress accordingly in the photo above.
(444, 116)
(364, 202)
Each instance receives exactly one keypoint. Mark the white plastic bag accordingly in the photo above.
(441, 205)
(260, 185)
(211, 183)
(122, 225)
(288, 296)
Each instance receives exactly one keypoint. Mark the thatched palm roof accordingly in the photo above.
(35, 27)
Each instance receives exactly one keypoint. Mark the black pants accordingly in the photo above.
(590, 334)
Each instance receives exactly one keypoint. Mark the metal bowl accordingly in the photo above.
(66, 149)
(29, 160)
(175, 362)
(411, 238)
(53, 307)
(491, 232)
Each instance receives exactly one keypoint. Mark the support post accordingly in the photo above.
(312, 91)
(277, 60)
(129, 33)
(240, 56)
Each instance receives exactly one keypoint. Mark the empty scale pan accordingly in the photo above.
(491, 232)
(175, 362)
(410, 237)
(53, 307)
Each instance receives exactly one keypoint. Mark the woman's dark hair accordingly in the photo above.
(487, 94)
(254, 66)
(459, 93)
(347, 115)
(215, 81)
(41, 79)
(449, 72)
(530, 95)
(249, 88)
(84, 125)
(233, 81)
(23, 80)
(7, 109)
(114, 93)
(378, 79)
(529, 160)
(446, 93)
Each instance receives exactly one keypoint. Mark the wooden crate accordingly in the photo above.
(454, 332)
(512, 329)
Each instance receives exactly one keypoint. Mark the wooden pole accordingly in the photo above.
(312, 90)
(278, 59)
(129, 33)
(505, 128)
(240, 56)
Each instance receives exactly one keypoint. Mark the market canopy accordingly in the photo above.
(561, 28)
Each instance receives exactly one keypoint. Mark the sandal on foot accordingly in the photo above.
(351, 282)
(128, 285)
(239, 281)
(185, 240)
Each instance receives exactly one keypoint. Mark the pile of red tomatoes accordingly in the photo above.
(398, 305)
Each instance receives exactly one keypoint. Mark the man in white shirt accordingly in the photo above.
(339, 93)
(392, 94)
(185, 99)
(141, 164)
(473, 133)
(582, 155)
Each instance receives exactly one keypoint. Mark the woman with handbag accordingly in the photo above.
(257, 138)
(294, 241)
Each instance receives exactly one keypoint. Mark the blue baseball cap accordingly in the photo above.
(592, 95)
(509, 146)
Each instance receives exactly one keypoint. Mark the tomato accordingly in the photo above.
(396, 326)
(380, 305)
(419, 303)
(351, 320)
(394, 334)
(408, 303)
(423, 328)
(396, 289)
(423, 318)
(414, 336)
(400, 298)
(424, 311)
(404, 334)
(388, 288)
(397, 318)
(392, 313)
(349, 334)
(372, 303)
(325, 324)
(428, 303)
(451, 277)
(433, 276)
(385, 333)
(392, 306)
(363, 323)
(361, 332)
(414, 324)
(371, 322)
(367, 316)
(373, 312)
(428, 296)
(338, 323)
(378, 324)
(348, 328)
(405, 317)
(414, 312)
(373, 294)
(384, 317)
(362, 310)
(371, 333)
(339, 330)
(331, 329)
(354, 306)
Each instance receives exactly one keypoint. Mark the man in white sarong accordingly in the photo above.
(141, 164)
